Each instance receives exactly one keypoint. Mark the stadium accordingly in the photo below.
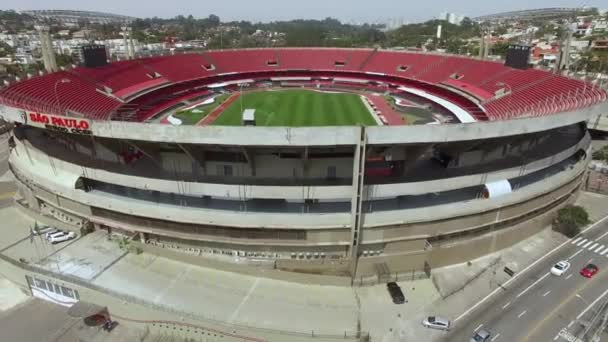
(324, 162)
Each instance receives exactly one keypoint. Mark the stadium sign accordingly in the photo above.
(60, 123)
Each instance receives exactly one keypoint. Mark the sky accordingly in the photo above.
(267, 10)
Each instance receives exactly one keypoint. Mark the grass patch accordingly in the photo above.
(191, 117)
(298, 108)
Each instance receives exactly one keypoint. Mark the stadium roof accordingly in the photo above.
(71, 16)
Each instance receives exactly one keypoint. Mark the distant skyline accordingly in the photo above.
(268, 10)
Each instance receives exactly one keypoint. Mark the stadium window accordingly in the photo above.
(457, 76)
(331, 172)
(339, 63)
(40, 284)
(67, 292)
(228, 170)
(403, 68)
(209, 67)
(272, 63)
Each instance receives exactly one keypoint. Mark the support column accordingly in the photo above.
(356, 202)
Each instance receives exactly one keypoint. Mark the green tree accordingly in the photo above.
(570, 220)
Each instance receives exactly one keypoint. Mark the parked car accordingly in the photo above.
(589, 271)
(51, 233)
(560, 268)
(436, 322)
(57, 238)
(42, 230)
(396, 294)
(481, 336)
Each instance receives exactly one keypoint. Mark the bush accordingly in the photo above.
(601, 154)
(570, 219)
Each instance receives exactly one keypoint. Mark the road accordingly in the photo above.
(539, 306)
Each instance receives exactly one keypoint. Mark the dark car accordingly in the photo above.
(396, 294)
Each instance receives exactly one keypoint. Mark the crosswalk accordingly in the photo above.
(591, 246)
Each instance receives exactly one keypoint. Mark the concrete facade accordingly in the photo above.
(406, 226)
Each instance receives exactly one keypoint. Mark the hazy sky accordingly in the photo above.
(265, 10)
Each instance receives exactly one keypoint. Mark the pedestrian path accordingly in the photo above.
(591, 245)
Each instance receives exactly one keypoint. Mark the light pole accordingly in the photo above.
(62, 80)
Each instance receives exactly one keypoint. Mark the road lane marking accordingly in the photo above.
(522, 313)
(604, 251)
(597, 250)
(577, 240)
(505, 306)
(575, 254)
(546, 293)
(569, 275)
(534, 283)
(495, 337)
(481, 325)
(556, 337)
(590, 261)
(587, 244)
(570, 324)
(601, 236)
(551, 315)
(582, 242)
(593, 246)
(591, 305)
(516, 276)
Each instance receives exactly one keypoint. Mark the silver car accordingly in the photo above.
(436, 322)
(481, 336)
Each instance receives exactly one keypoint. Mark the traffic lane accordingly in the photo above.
(507, 321)
(494, 308)
(567, 308)
(531, 307)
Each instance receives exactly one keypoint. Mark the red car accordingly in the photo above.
(589, 271)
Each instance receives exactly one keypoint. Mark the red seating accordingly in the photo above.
(151, 84)
(119, 75)
(57, 93)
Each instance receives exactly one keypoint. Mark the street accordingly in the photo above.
(539, 306)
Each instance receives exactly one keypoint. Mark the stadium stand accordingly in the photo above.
(135, 90)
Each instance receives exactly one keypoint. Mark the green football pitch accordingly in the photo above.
(297, 108)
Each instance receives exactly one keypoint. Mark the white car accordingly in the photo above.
(560, 268)
(436, 322)
(52, 232)
(57, 238)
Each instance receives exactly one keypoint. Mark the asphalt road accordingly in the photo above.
(538, 306)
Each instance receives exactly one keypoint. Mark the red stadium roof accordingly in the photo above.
(138, 89)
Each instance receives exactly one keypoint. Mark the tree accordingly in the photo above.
(601, 154)
(500, 49)
(570, 219)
